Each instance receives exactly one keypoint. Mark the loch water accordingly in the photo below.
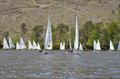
(59, 65)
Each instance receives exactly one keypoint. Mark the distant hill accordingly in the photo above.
(35, 12)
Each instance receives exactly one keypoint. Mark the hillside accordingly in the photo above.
(35, 12)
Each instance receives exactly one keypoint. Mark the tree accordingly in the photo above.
(113, 32)
(38, 33)
(87, 29)
(23, 28)
(63, 29)
(6, 34)
(88, 34)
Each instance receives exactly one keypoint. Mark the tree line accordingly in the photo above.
(88, 32)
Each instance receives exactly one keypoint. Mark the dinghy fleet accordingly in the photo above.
(48, 44)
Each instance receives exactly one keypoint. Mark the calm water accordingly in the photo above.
(58, 65)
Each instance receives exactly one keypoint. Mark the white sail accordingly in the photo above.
(62, 45)
(98, 45)
(29, 45)
(119, 46)
(5, 44)
(95, 45)
(22, 43)
(17, 46)
(11, 44)
(48, 37)
(70, 44)
(76, 41)
(38, 46)
(111, 45)
(80, 47)
(34, 45)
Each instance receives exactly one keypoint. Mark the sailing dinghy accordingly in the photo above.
(30, 45)
(98, 45)
(62, 45)
(22, 44)
(34, 45)
(70, 45)
(48, 38)
(118, 46)
(17, 46)
(5, 44)
(80, 47)
(11, 44)
(76, 41)
(111, 45)
(38, 46)
(94, 45)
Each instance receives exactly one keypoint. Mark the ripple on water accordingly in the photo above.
(39, 75)
(87, 65)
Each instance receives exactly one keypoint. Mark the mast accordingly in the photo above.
(76, 41)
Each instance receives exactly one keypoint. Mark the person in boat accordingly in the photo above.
(45, 53)
(70, 51)
(40, 50)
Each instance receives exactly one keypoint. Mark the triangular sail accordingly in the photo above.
(76, 41)
(5, 44)
(62, 45)
(48, 37)
(34, 45)
(30, 45)
(111, 45)
(70, 44)
(98, 45)
(22, 43)
(17, 46)
(80, 47)
(94, 45)
(119, 46)
(11, 44)
(38, 46)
